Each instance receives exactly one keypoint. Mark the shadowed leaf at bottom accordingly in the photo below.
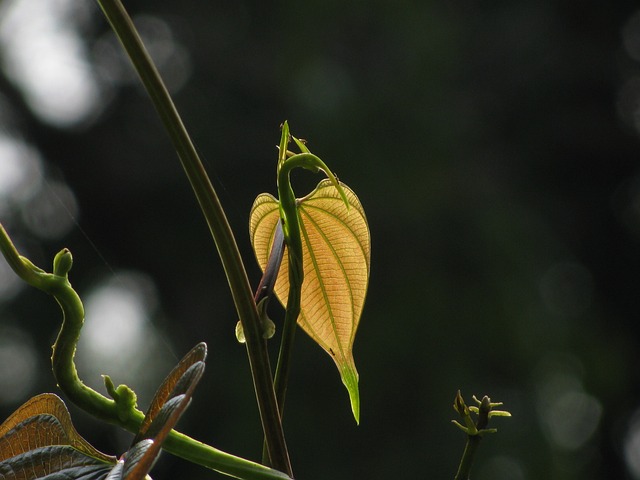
(38, 441)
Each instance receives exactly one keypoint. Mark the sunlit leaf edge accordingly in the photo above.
(265, 209)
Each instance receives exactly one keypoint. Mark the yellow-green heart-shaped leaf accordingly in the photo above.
(336, 259)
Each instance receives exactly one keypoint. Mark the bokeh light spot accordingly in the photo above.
(632, 445)
(118, 337)
(568, 415)
(20, 172)
(116, 312)
(52, 212)
(566, 289)
(43, 55)
(323, 85)
(571, 419)
(17, 365)
(171, 58)
(10, 283)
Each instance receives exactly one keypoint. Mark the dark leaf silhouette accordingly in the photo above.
(39, 441)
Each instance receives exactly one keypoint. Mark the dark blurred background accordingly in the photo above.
(495, 147)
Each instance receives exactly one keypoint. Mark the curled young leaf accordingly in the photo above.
(180, 375)
(171, 399)
(336, 262)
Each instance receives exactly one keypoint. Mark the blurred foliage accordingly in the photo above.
(495, 149)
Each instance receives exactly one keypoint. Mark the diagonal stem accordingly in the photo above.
(218, 225)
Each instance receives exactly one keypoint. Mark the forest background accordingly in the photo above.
(494, 147)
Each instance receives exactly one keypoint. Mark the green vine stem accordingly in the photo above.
(218, 225)
(121, 410)
(290, 221)
(290, 224)
(468, 456)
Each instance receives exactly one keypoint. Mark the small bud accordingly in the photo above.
(484, 411)
(111, 388)
(240, 332)
(459, 405)
(62, 263)
(268, 328)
